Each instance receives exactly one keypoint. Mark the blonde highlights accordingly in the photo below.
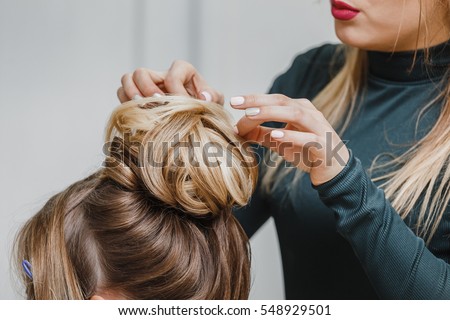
(423, 174)
(145, 230)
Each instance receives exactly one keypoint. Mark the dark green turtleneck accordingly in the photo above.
(343, 239)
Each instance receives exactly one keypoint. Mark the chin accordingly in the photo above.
(354, 37)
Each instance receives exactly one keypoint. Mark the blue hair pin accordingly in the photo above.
(27, 268)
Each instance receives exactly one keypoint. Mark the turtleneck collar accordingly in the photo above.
(397, 66)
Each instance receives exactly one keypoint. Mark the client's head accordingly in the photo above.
(155, 222)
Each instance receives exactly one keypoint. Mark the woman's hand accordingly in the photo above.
(180, 79)
(308, 140)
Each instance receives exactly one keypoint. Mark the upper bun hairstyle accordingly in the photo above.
(183, 151)
(155, 222)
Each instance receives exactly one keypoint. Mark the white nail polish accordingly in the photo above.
(207, 96)
(235, 129)
(237, 101)
(252, 111)
(156, 95)
(277, 134)
(137, 97)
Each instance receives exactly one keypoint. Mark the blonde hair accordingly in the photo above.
(421, 175)
(155, 222)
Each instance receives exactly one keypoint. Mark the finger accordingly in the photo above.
(121, 95)
(209, 94)
(204, 92)
(146, 83)
(179, 74)
(129, 87)
(258, 135)
(256, 100)
(183, 78)
(299, 139)
(295, 150)
(297, 117)
(304, 150)
(310, 151)
(263, 136)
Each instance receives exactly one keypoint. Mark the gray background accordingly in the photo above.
(60, 66)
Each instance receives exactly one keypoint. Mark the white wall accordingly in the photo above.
(61, 63)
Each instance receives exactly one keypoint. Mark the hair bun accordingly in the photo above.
(184, 151)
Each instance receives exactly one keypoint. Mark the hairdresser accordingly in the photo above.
(369, 218)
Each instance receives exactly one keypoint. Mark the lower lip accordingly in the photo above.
(343, 14)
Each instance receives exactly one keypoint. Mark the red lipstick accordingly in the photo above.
(342, 11)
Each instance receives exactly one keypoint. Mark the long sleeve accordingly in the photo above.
(397, 262)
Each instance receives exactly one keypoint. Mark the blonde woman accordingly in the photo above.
(369, 218)
(156, 221)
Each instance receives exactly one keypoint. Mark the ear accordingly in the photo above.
(107, 295)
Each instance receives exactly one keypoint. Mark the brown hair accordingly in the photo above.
(156, 221)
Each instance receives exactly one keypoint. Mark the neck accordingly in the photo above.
(413, 65)
(421, 42)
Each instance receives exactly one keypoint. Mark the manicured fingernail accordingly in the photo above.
(207, 96)
(137, 97)
(237, 101)
(252, 111)
(277, 134)
(236, 130)
(157, 95)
